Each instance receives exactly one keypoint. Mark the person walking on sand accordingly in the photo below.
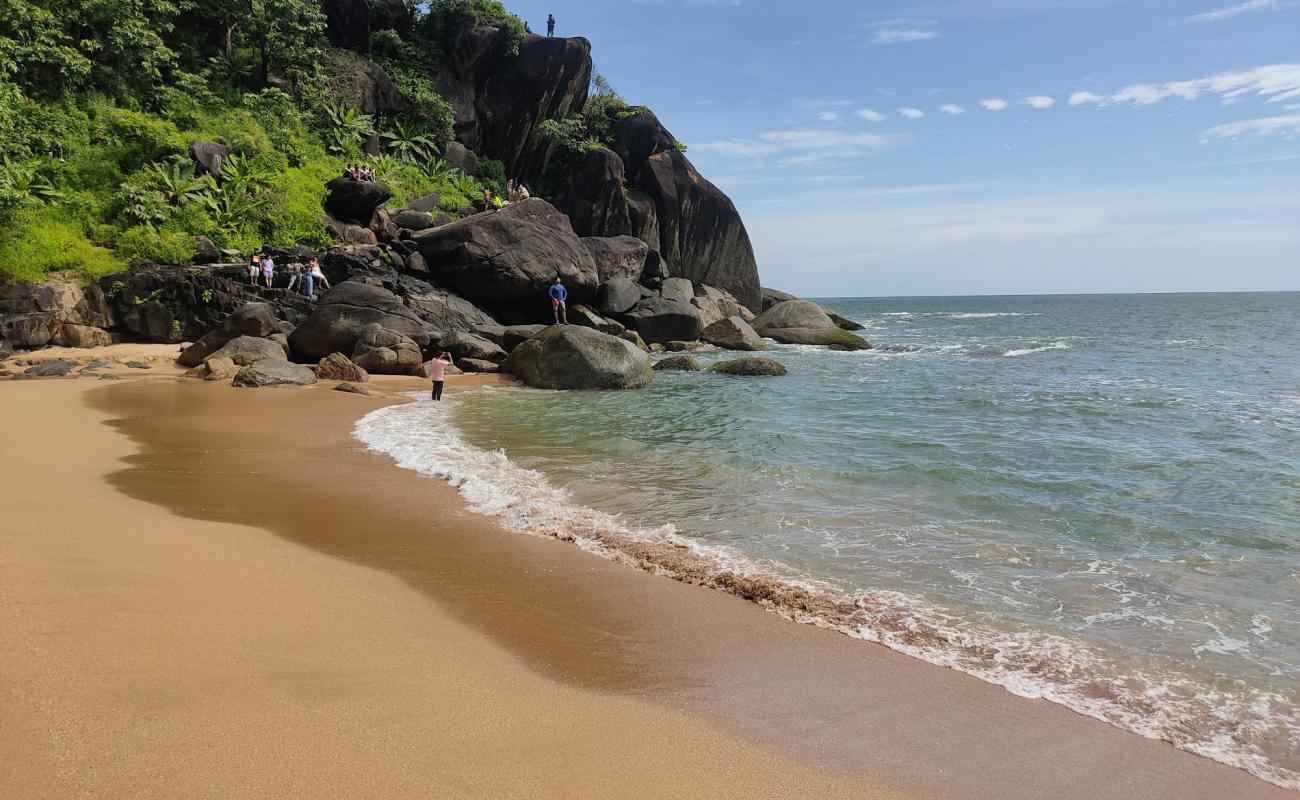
(559, 295)
(550, 25)
(437, 373)
(268, 270)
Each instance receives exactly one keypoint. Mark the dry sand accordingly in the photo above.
(234, 600)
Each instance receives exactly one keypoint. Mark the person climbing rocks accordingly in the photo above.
(559, 295)
(437, 373)
(550, 25)
(317, 276)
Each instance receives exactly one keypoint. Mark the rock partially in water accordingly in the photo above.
(573, 357)
(733, 333)
(678, 364)
(752, 365)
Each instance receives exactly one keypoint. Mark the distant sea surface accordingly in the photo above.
(1089, 499)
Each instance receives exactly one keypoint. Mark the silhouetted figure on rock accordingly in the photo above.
(550, 25)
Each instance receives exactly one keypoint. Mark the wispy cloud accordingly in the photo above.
(902, 31)
(871, 116)
(911, 113)
(801, 146)
(994, 104)
(1080, 98)
(1287, 126)
(1276, 82)
(1232, 11)
(830, 116)
(950, 108)
(1039, 101)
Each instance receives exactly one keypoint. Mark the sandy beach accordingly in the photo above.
(215, 592)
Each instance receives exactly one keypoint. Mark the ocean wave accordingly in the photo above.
(1245, 728)
(1024, 351)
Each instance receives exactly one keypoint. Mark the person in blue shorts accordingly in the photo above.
(559, 294)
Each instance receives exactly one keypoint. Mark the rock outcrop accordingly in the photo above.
(39, 314)
(245, 350)
(355, 201)
(338, 367)
(660, 321)
(383, 351)
(617, 295)
(617, 256)
(733, 333)
(342, 316)
(273, 373)
(805, 322)
(505, 260)
(596, 202)
(572, 357)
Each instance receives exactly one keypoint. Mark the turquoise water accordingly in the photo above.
(1092, 499)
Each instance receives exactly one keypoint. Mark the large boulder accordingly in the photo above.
(363, 85)
(805, 322)
(440, 308)
(355, 201)
(413, 220)
(643, 219)
(679, 289)
(386, 352)
(273, 372)
(749, 366)
(506, 259)
(250, 319)
(345, 311)
(463, 345)
(245, 350)
(678, 364)
(54, 312)
(595, 199)
(338, 367)
(733, 333)
(660, 321)
(460, 157)
(617, 256)
(617, 295)
(73, 335)
(572, 357)
(771, 297)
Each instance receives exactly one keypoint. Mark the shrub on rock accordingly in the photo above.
(573, 357)
(752, 365)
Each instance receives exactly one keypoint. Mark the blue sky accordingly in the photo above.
(982, 146)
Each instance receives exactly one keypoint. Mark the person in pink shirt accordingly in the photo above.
(437, 371)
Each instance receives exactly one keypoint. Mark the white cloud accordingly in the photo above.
(902, 31)
(1039, 101)
(1232, 11)
(1079, 98)
(1276, 82)
(871, 116)
(996, 104)
(801, 146)
(829, 116)
(911, 113)
(1262, 126)
(949, 108)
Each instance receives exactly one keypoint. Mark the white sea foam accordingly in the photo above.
(1024, 351)
(1237, 728)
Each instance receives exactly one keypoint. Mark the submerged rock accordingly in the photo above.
(352, 388)
(752, 365)
(678, 364)
(572, 357)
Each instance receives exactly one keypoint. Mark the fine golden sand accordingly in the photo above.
(214, 592)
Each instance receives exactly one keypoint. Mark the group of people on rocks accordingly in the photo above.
(305, 277)
(515, 192)
(359, 172)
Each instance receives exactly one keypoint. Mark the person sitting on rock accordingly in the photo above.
(550, 25)
(487, 199)
(347, 173)
(437, 371)
(559, 295)
(368, 174)
(521, 193)
(313, 268)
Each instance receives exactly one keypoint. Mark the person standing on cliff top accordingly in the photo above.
(437, 371)
(550, 25)
(559, 295)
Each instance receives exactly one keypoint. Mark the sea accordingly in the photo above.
(1090, 499)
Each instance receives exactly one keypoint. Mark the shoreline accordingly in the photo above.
(594, 626)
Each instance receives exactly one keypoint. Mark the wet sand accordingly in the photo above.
(159, 642)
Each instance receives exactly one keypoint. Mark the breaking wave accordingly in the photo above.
(1242, 727)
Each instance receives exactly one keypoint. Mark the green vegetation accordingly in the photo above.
(99, 100)
(583, 133)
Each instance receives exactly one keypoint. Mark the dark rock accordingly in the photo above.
(506, 259)
(440, 308)
(345, 311)
(382, 225)
(661, 321)
(274, 373)
(6, 349)
(642, 220)
(617, 256)
(205, 251)
(617, 295)
(516, 335)
(572, 357)
(478, 365)
(678, 364)
(639, 136)
(138, 365)
(461, 158)
(382, 351)
(414, 220)
(347, 22)
(251, 319)
(771, 297)
(348, 233)
(207, 156)
(749, 366)
(338, 367)
(95, 365)
(355, 201)
(366, 264)
(463, 346)
(34, 314)
(842, 322)
(425, 203)
(50, 369)
(352, 388)
(733, 333)
(689, 347)
(595, 200)
(679, 289)
(635, 339)
(579, 314)
(244, 350)
(369, 89)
